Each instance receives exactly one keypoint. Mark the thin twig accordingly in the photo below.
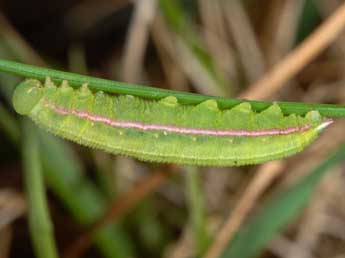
(265, 175)
(244, 37)
(137, 39)
(301, 56)
(216, 38)
(12, 206)
(283, 29)
(75, 80)
(166, 48)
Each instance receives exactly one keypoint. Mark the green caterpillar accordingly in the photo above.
(165, 130)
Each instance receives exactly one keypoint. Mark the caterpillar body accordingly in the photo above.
(165, 130)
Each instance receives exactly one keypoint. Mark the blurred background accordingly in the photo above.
(102, 205)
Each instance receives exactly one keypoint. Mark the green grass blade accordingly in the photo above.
(156, 93)
(196, 210)
(39, 220)
(150, 232)
(65, 177)
(277, 213)
(310, 19)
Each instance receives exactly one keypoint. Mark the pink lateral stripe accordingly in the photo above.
(175, 129)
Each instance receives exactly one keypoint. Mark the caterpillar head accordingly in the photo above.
(26, 96)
